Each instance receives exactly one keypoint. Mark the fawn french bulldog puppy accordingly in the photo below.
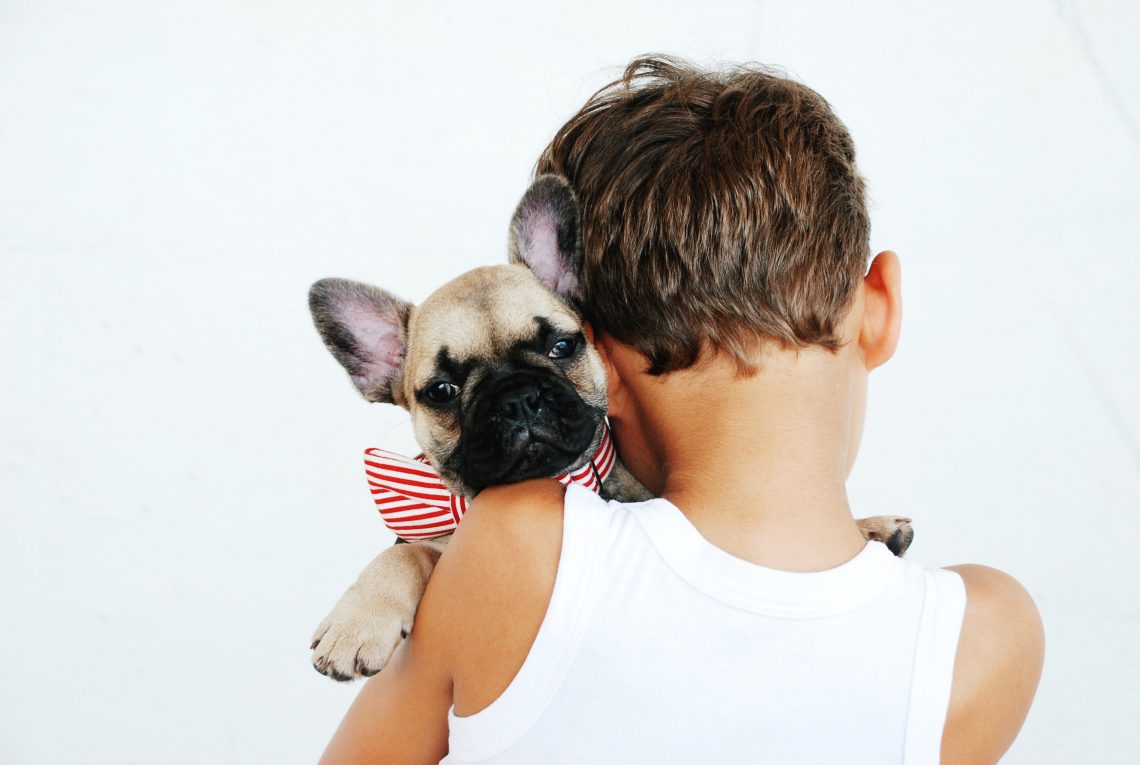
(501, 386)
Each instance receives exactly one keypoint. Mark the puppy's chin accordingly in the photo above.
(537, 461)
(525, 426)
(529, 454)
(534, 456)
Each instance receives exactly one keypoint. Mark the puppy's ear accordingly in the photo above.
(546, 234)
(365, 328)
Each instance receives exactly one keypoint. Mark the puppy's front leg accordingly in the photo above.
(359, 635)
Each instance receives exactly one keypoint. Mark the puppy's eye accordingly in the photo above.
(564, 348)
(442, 392)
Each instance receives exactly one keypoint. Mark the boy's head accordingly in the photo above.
(725, 229)
(720, 210)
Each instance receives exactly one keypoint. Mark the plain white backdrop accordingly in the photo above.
(181, 495)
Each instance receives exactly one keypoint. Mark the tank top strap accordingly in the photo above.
(584, 545)
(943, 607)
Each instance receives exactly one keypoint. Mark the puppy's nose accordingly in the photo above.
(519, 405)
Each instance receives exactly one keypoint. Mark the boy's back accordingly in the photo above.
(700, 653)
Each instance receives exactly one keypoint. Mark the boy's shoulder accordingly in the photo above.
(998, 665)
(492, 586)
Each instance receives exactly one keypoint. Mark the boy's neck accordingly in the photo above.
(757, 464)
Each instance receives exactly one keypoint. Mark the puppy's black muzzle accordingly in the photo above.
(523, 424)
(520, 405)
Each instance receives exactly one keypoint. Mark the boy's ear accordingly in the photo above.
(546, 235)
(616, 394)
(882, 309)
(365, 329)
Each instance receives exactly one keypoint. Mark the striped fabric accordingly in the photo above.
(415, 503)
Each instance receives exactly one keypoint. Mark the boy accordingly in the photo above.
(741, 616)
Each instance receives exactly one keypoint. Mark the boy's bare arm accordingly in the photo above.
(1000, 654)
(400, 715)
(478, 618)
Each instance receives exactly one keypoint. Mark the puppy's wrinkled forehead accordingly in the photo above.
(481, 316)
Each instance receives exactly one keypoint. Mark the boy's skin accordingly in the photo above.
(758, 465)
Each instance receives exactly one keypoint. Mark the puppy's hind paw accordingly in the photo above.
(896, 533)
(899, 541)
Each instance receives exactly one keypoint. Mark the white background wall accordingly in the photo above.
(181, 496)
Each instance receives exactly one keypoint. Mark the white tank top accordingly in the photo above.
(658, 647)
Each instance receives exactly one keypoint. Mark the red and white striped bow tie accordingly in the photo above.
(416, 504)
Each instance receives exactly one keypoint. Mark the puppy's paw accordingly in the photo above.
(895, 533)
(358, 637)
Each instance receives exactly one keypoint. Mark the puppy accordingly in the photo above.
(501, 386)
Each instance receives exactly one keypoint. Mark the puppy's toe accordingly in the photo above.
(328, 658)
(374, 654)
(340, 663)
(372, 657)
(320, 633)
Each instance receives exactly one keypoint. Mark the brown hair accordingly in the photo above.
(718, 208)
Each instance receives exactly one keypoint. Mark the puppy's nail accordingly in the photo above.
(315, 644)
(339, 676)
(364, 670)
